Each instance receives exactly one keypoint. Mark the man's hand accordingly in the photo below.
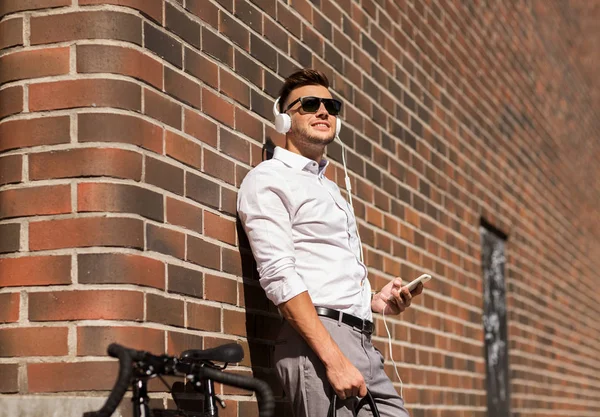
(345, 379)
(393, 298)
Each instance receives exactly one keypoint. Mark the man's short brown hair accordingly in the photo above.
(298, 79)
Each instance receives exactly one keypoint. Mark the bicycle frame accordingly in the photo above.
(141, 400)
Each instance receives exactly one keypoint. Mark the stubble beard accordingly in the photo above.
(303, 137)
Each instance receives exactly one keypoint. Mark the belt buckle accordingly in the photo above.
(366, 326)
(362, 325)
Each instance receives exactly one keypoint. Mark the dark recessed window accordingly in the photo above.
(494, 321)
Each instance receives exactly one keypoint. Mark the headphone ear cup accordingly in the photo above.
(338, 126)
(283, 123)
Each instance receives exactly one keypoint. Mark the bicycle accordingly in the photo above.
(136, 367)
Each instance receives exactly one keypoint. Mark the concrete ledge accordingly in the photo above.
(49, 406)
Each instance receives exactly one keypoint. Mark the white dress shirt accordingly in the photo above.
(303, 234)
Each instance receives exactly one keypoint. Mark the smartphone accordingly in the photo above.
(413, 284)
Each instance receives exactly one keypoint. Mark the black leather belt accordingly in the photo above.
(365, 326)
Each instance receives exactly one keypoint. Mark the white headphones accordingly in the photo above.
(283, 121)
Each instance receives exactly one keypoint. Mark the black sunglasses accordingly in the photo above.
(311, 104)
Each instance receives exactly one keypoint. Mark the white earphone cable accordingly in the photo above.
(349, 189)
(391, 355)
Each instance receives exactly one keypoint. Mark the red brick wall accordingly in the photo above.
(127, 126)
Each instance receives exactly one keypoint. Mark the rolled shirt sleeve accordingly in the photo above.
(265, 206)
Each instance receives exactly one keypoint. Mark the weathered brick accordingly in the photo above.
(34, 201)
(9, 307)
(67, 376)
(12, 6)
(201, 67)
(272, 83)
(163, 45)
(119, 60)
(300, 53)
(164, 175)
(105, 127)
(228, 201)
(202, 190)
(233, 30)
(35, 270)
(313, 39)
(234, 146)
(86, 305)
(234, 322)
(162, 109)
(276, 34)
(179, 342)
(11, 33)
(248, 68)
(103, 24)
(182, 88)
(11, 169)
(263, 52)
(184, 214)
(217, 166)
(119, 198)
(185, 281)
(221, 289)
(33, 341)
(217, 47)
(203, 317)
(219, 228)
(234, 88)
(184, 150)
(217, 107)
(164, 310)
(86, 162)
(232, 262)
(180, 24)
(37, 63)
(288, 20)
(85, 93)
(261, 105)
(166, 241)
(304, 8)
(120, 268)
(198, 126)
(240, 174)
(10, 237)
(93, 340)
(9, 382)
(85, 232)
(205, 11)
(203, 253)
(150, 8)
(249, 14)
(11, 101)
(248, 125)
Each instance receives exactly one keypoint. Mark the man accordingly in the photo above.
(303, 235)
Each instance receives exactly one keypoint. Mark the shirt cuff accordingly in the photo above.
(285, 286)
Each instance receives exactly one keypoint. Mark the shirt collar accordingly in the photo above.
(297, 161)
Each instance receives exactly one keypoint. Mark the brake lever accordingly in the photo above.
(221, 402)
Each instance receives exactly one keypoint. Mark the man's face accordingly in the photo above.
(317, 128)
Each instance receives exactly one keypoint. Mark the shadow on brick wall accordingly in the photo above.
(262, 323)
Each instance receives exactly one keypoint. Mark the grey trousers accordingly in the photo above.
(303, 377)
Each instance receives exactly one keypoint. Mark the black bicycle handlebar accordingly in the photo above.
(264, 394)
(128, 356)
